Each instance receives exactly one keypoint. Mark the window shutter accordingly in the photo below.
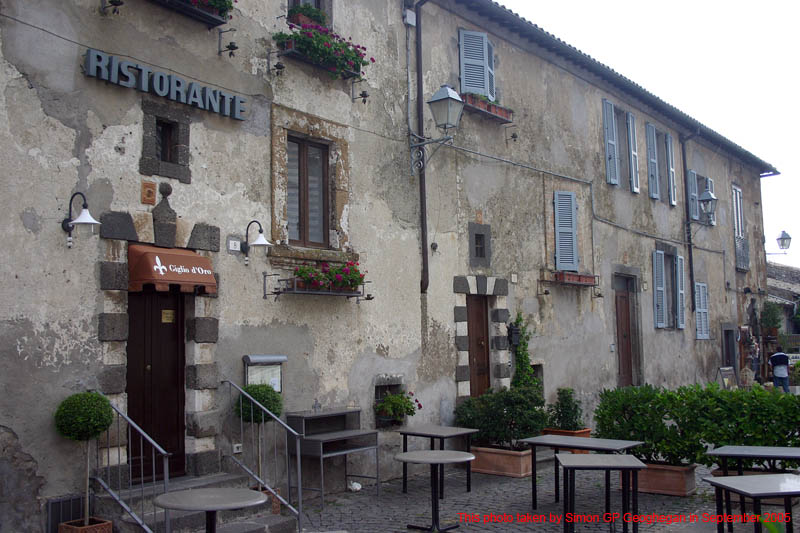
(566, 214)
(694, 207)
(610, 136)
(673, 188)
(680, 288)
(652, 161)
(701, 312)
(473, 53)
(710, 187)
(659, 310)
(633, 154)
(490, 70)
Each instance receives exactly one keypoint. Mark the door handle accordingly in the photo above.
(481, 343)
(148, 368)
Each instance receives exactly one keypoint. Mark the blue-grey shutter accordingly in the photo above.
(652, 161)
(490, 70)
(473, 53)
(659, 308)
(566, 214)
(680, 289)
(610, 136)
(694, 207)
(633, 153)
(701, 310)
(673, 187)
(712, 219)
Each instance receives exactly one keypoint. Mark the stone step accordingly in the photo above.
(251, 520)
(105, 505)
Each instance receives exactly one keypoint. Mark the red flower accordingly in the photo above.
(410, 393)
(346, 270)
(338, 277)
(327, 45)
(372, 59)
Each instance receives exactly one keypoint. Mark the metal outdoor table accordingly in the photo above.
(437, 459)
(740, 453)
(560, 442)
(210, 501)
(437, 432)
(757, 487)
(628, 466)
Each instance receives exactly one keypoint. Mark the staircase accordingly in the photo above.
(140, 500)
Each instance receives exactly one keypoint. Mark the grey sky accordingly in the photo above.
(731, 65)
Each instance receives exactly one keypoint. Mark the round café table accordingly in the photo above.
(437, 459)
(210, 501)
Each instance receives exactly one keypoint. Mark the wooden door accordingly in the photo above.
(478, 331)
(155, 379)
(622, 298)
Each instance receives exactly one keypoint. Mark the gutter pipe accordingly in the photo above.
(683, 140)
(423, 199)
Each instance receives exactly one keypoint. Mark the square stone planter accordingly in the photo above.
(96, 525)
(669, 480)
(500, 462)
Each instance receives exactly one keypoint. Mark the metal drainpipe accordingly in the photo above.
(423, 199)
(683, 141)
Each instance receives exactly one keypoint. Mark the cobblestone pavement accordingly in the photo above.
(365, 512)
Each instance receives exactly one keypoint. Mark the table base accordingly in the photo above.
(211, 522)
(434, 527)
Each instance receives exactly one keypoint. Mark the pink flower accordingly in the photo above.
(410, 393)
(372, 59)
(327, 45)
(338, 277)
(350, 63)
(346, 270)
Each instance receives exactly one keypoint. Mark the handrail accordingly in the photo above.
(257, 476)
(278, 420)
(116, 494)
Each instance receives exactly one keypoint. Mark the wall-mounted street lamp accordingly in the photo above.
(114, 5)
(230, 47)
(446, 107)
(260, 241)
(784, 240)
(68, 224)
(708, 203)
(363, 94)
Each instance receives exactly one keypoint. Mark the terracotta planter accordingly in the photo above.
(500, 462)
(717, 472)
(300, 19)
(96, 525)
(666, 479)
(585, 432)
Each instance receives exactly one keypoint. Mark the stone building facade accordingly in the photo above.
(619, 276)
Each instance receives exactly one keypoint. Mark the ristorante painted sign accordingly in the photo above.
(134, 75)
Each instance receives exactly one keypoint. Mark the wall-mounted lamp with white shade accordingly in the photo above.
(84, 218)
(260, 241)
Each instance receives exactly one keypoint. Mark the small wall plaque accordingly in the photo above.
(167, 316)
(148, 193)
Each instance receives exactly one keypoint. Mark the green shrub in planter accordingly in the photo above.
(771, 315)
(84, 416)
(632, 413)
(263, 394)
(566, 413)
(504, 417)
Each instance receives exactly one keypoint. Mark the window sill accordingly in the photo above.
(498, 113)
(571, 278)
(185, 7)
(282, 255)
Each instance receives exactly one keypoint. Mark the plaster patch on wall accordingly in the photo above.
(31, 220)
(19, 485)
(51, 344)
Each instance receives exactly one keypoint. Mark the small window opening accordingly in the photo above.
(166, 133)
(480, 245)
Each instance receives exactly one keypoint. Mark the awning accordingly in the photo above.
(163, 267)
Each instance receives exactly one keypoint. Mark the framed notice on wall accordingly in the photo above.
(726, 377)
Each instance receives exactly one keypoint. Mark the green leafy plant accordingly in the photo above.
(222, 7)
(566, 413)
(317, 15)
(504, 417)
(347, 276)
(397, 406)
(632, 413)
(323, 47)
(263, 394)
(794, 375)
(83, 417)
(524, 375)
(310, 275)
(771, 315)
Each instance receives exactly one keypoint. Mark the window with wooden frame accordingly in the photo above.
(307, 191)
(166, 141)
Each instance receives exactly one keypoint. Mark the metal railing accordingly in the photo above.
(742, 246)
(133, 485)
(259, 449)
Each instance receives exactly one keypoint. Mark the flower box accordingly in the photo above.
(96, 525)
(475, 104)
(208, 16)
(571, 278)
(585, 432)
(289, 50)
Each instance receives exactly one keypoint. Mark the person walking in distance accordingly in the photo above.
(779, 362)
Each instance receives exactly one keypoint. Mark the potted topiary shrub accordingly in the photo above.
(771, 318)
(667, 423)
(250, 413)
(565, 417)
(83, 417)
